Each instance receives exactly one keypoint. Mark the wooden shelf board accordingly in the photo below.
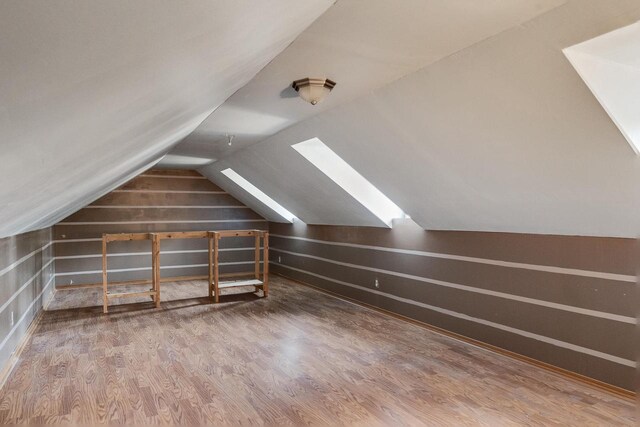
(237, 283)
(130, 294)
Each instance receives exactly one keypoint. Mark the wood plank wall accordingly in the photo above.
(26, 282)
(564, 300)
(157, 200)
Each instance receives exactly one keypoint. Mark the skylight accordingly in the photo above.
(610, 66)
(255, 192)
(349, 179)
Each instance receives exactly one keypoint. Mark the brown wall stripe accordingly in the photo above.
(152, 175)
(64, 231)
(215, 214)
(162, 199)
(610, 255)
(165, 207)
(195, 221)
(509, 264)
(134, 190)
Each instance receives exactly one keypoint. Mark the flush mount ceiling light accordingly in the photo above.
(313, 90)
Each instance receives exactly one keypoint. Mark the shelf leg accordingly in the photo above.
(105, 298)
(210, 265)
(265, 267)
(216, 263)
(155, 261)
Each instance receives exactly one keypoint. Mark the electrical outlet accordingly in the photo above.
(279, 259)
(376, 283)
(12, 318)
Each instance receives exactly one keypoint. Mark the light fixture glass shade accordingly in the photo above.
(313, 90)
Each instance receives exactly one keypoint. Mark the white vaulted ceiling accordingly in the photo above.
(466, 114)
(501, 136)
(362, 45)
(92, 92)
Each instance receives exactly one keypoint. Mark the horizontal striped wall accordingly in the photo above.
(26, 282)
(157, 200)
(564, 300)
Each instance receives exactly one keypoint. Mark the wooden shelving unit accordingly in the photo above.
(261, 277)
(260, 280)
(154, 292)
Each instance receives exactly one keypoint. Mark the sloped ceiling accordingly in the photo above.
(362, 45)
(500, 136)
(489, 129)
(93, 92)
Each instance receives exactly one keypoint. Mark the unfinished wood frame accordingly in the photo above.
(158, 237)
(258, 282)
(154, 292)
(214, 275)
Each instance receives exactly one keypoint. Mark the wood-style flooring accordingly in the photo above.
(299, 357)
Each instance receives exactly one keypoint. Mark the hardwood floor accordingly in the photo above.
(297, 357)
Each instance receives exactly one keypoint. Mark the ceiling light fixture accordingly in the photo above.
(313, 90)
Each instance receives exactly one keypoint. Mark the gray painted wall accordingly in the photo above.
(26, 283)
(566, 301)
(157, 200)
